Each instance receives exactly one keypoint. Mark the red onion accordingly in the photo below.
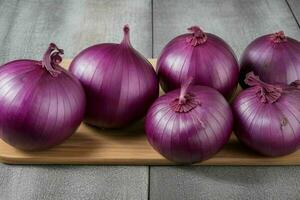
(267, 117)
(41, 104)
(204, 56)
(189, 124)
(275, 58)
(120, 83)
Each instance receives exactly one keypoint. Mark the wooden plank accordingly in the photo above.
(51, 182)
(27, 27)
(222, 183)
(238, 22)
(295, 7)
(128, 146)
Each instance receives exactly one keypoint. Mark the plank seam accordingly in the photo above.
(152, 27)
(297, 22)
(152, 46)
(149, 168)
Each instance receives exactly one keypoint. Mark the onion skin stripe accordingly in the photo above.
(34, 117)
(259, 124)
(204, 128)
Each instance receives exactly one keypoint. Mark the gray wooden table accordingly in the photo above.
(26, 28)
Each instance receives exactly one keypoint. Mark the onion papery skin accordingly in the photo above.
(274, 61)
(119, 82)
(192, 136)
(211, 63)
(38, 109)
(271, 129)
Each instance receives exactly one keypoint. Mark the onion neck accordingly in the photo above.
(186, 101)
(198, 36)
(52, 58)
(267, 93)
(126, 37)
(278, 37)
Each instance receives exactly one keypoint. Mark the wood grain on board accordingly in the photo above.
(129, 146)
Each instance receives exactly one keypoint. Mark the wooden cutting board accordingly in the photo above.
(90, 145)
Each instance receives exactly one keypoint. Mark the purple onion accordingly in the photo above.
(275, 58)
(190, 124)
(41, 104)
(119, 82)
(204, 56)
(267, 117)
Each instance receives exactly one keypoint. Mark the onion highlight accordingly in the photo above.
(41, 104)
(119, 82)
(275, 58)
(204, 56)
(190, 124)
(267, 117)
